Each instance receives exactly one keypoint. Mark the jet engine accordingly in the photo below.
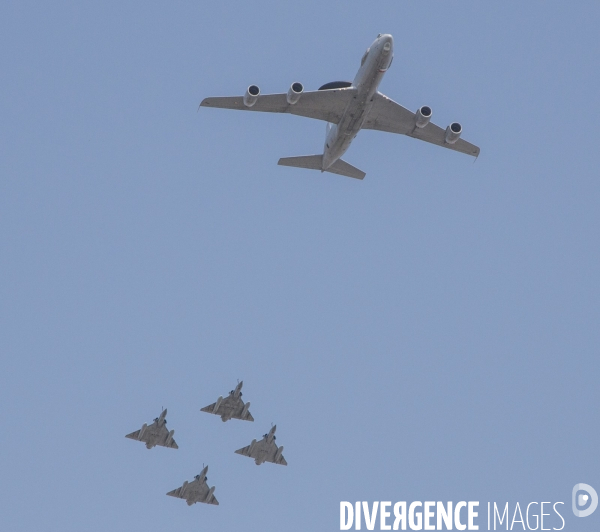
(453, 132)
(251, 95)
(423, 116)
(141, 434)
(294, 93)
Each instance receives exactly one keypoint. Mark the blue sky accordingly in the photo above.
(429, 333)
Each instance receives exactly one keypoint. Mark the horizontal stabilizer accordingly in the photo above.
(315, 162)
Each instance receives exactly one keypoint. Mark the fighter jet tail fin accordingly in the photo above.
(315, 162)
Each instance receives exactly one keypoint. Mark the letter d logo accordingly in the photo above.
(583, 499)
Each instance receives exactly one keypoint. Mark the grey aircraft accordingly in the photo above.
(196, 491)
(265, 450)
(231, 407)
(348, 107)
(156, 433)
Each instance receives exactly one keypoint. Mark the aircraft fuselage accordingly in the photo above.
(376, 61)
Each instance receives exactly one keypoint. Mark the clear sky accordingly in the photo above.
(429, 333)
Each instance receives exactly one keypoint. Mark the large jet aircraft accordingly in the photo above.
(264, 450)
(196, 491)
(155, 434)
(348, 107)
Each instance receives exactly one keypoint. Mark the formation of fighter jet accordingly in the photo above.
(348, 107)
(156, 433)
(265, 450)
(196, 491)
(231, 407)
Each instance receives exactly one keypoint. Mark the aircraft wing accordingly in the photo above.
(248, 416)
(210, 409)
(172, 444)
(176, 493)
(280, 460)
(327, 105)
(244, 451)
(387, 115)
(161, 438)
(133, 435)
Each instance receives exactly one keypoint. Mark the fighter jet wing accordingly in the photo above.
(176, 493)
(133, 435)
(210, 409)
(247, 417)
(163, 436)
(327, 105)
(274, 455)
(280, 461)
(171, 445)
(244, 451)
(387, 115)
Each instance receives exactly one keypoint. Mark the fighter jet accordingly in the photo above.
(155, 434)
(265, 450)
(348, 107)
(231, 407)
(196, 491)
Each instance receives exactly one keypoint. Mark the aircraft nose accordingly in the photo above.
(387, 43)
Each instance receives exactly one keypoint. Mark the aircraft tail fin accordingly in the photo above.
(315, 162)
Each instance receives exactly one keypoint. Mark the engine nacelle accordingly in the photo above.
(219, 401)
(423, 116)
(141, 434)
(453, 132)
(245, 410)
(294, 93)
(169, 438)
(251, 95)
(209, 495)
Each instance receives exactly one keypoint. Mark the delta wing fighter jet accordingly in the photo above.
(265, 450)
(196, 491)
(155, 434)
(231, 407)
(348, 107)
